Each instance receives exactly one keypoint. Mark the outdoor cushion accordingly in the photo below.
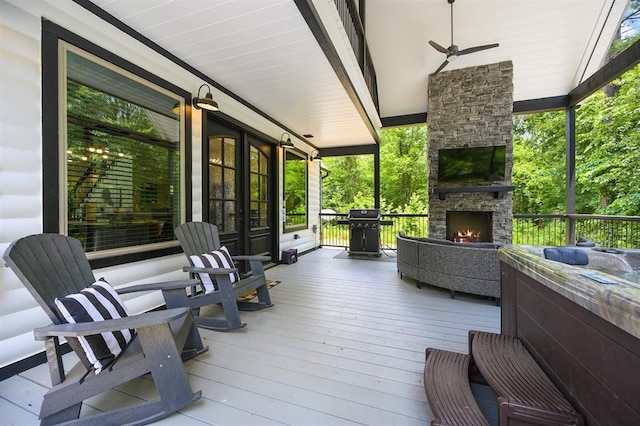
(97, 302)
(566, 255)
(215, 259)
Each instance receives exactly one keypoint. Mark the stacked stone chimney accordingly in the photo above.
(471, 107)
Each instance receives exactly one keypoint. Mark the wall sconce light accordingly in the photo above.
(315, 155)
(285, 142)
(207, 102)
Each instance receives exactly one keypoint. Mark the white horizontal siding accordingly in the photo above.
(20, 172)
(22, 183)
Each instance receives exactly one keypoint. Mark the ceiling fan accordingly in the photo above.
(453, 52)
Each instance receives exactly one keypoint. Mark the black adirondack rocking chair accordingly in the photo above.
(53, 266)
(198, 238)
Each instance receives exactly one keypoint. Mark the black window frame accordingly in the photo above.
(52, 35)
(303, 157)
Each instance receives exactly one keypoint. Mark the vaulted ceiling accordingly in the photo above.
(264, 52)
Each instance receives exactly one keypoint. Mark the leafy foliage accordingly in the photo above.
(607, 155)
(349, 183)
(403, 169)
(403, 175)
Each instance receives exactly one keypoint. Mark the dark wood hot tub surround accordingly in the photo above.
(585, 335)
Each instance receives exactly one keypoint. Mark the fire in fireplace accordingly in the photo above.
(469, 226)
(466, 236)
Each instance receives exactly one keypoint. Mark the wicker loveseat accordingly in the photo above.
(460, 267)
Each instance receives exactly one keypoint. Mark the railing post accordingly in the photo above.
(570, 230)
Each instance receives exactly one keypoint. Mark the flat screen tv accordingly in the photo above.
(476, 164)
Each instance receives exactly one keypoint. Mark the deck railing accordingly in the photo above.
(354, 28)
(529, 229)
(561, 229)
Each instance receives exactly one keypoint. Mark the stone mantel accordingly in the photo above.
(498, 191)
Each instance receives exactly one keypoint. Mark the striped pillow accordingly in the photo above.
(216, 259)
(97, 302)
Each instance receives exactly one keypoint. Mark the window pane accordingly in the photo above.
(263, 164)
(230, 152)
(254, 160)
(255, 215)
(215, 181)
(255, 188)
(229, 183)
(215, 151)
(263, 188)
(229, 216)
(123, 159)
(215, 214)
(263, 214)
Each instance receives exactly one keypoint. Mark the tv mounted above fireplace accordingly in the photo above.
(472, 164)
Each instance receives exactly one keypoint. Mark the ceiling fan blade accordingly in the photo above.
(444, 64)
(477, 49)
(438, 47)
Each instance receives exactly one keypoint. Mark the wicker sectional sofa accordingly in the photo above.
(460, 267)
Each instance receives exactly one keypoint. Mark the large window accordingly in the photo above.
(121, 144)
(295, 191)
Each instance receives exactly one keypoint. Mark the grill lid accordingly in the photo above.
(364, 214)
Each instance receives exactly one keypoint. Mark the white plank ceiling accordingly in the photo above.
(264, 52)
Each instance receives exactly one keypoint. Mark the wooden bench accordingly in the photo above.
(446, 382)
(525, 394)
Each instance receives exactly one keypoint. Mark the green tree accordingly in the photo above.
(607, 146)
(539, 163)
(608, 150)
(403, 168)
(349, 183)
(607, 154)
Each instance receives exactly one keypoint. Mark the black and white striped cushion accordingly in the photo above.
(216, 259)
(97, 302)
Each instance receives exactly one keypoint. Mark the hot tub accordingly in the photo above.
(620, 264)
(581, 323)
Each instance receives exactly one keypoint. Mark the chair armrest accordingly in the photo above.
(251, 257)
(167, 285)
(213, 271)
(97, 327)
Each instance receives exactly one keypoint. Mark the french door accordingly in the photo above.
(239, 190)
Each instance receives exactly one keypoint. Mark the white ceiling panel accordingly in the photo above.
(264, 51)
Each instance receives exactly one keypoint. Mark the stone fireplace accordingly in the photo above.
(471, 107)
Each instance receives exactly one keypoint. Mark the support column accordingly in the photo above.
(570, 179)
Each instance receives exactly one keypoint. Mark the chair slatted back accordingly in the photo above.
(198, 237)
(49, 266)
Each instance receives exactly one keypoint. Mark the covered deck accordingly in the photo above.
(344, 344)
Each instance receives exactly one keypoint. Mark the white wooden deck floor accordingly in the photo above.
(344, 344)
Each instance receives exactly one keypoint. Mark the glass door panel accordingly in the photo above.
(222, 183)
